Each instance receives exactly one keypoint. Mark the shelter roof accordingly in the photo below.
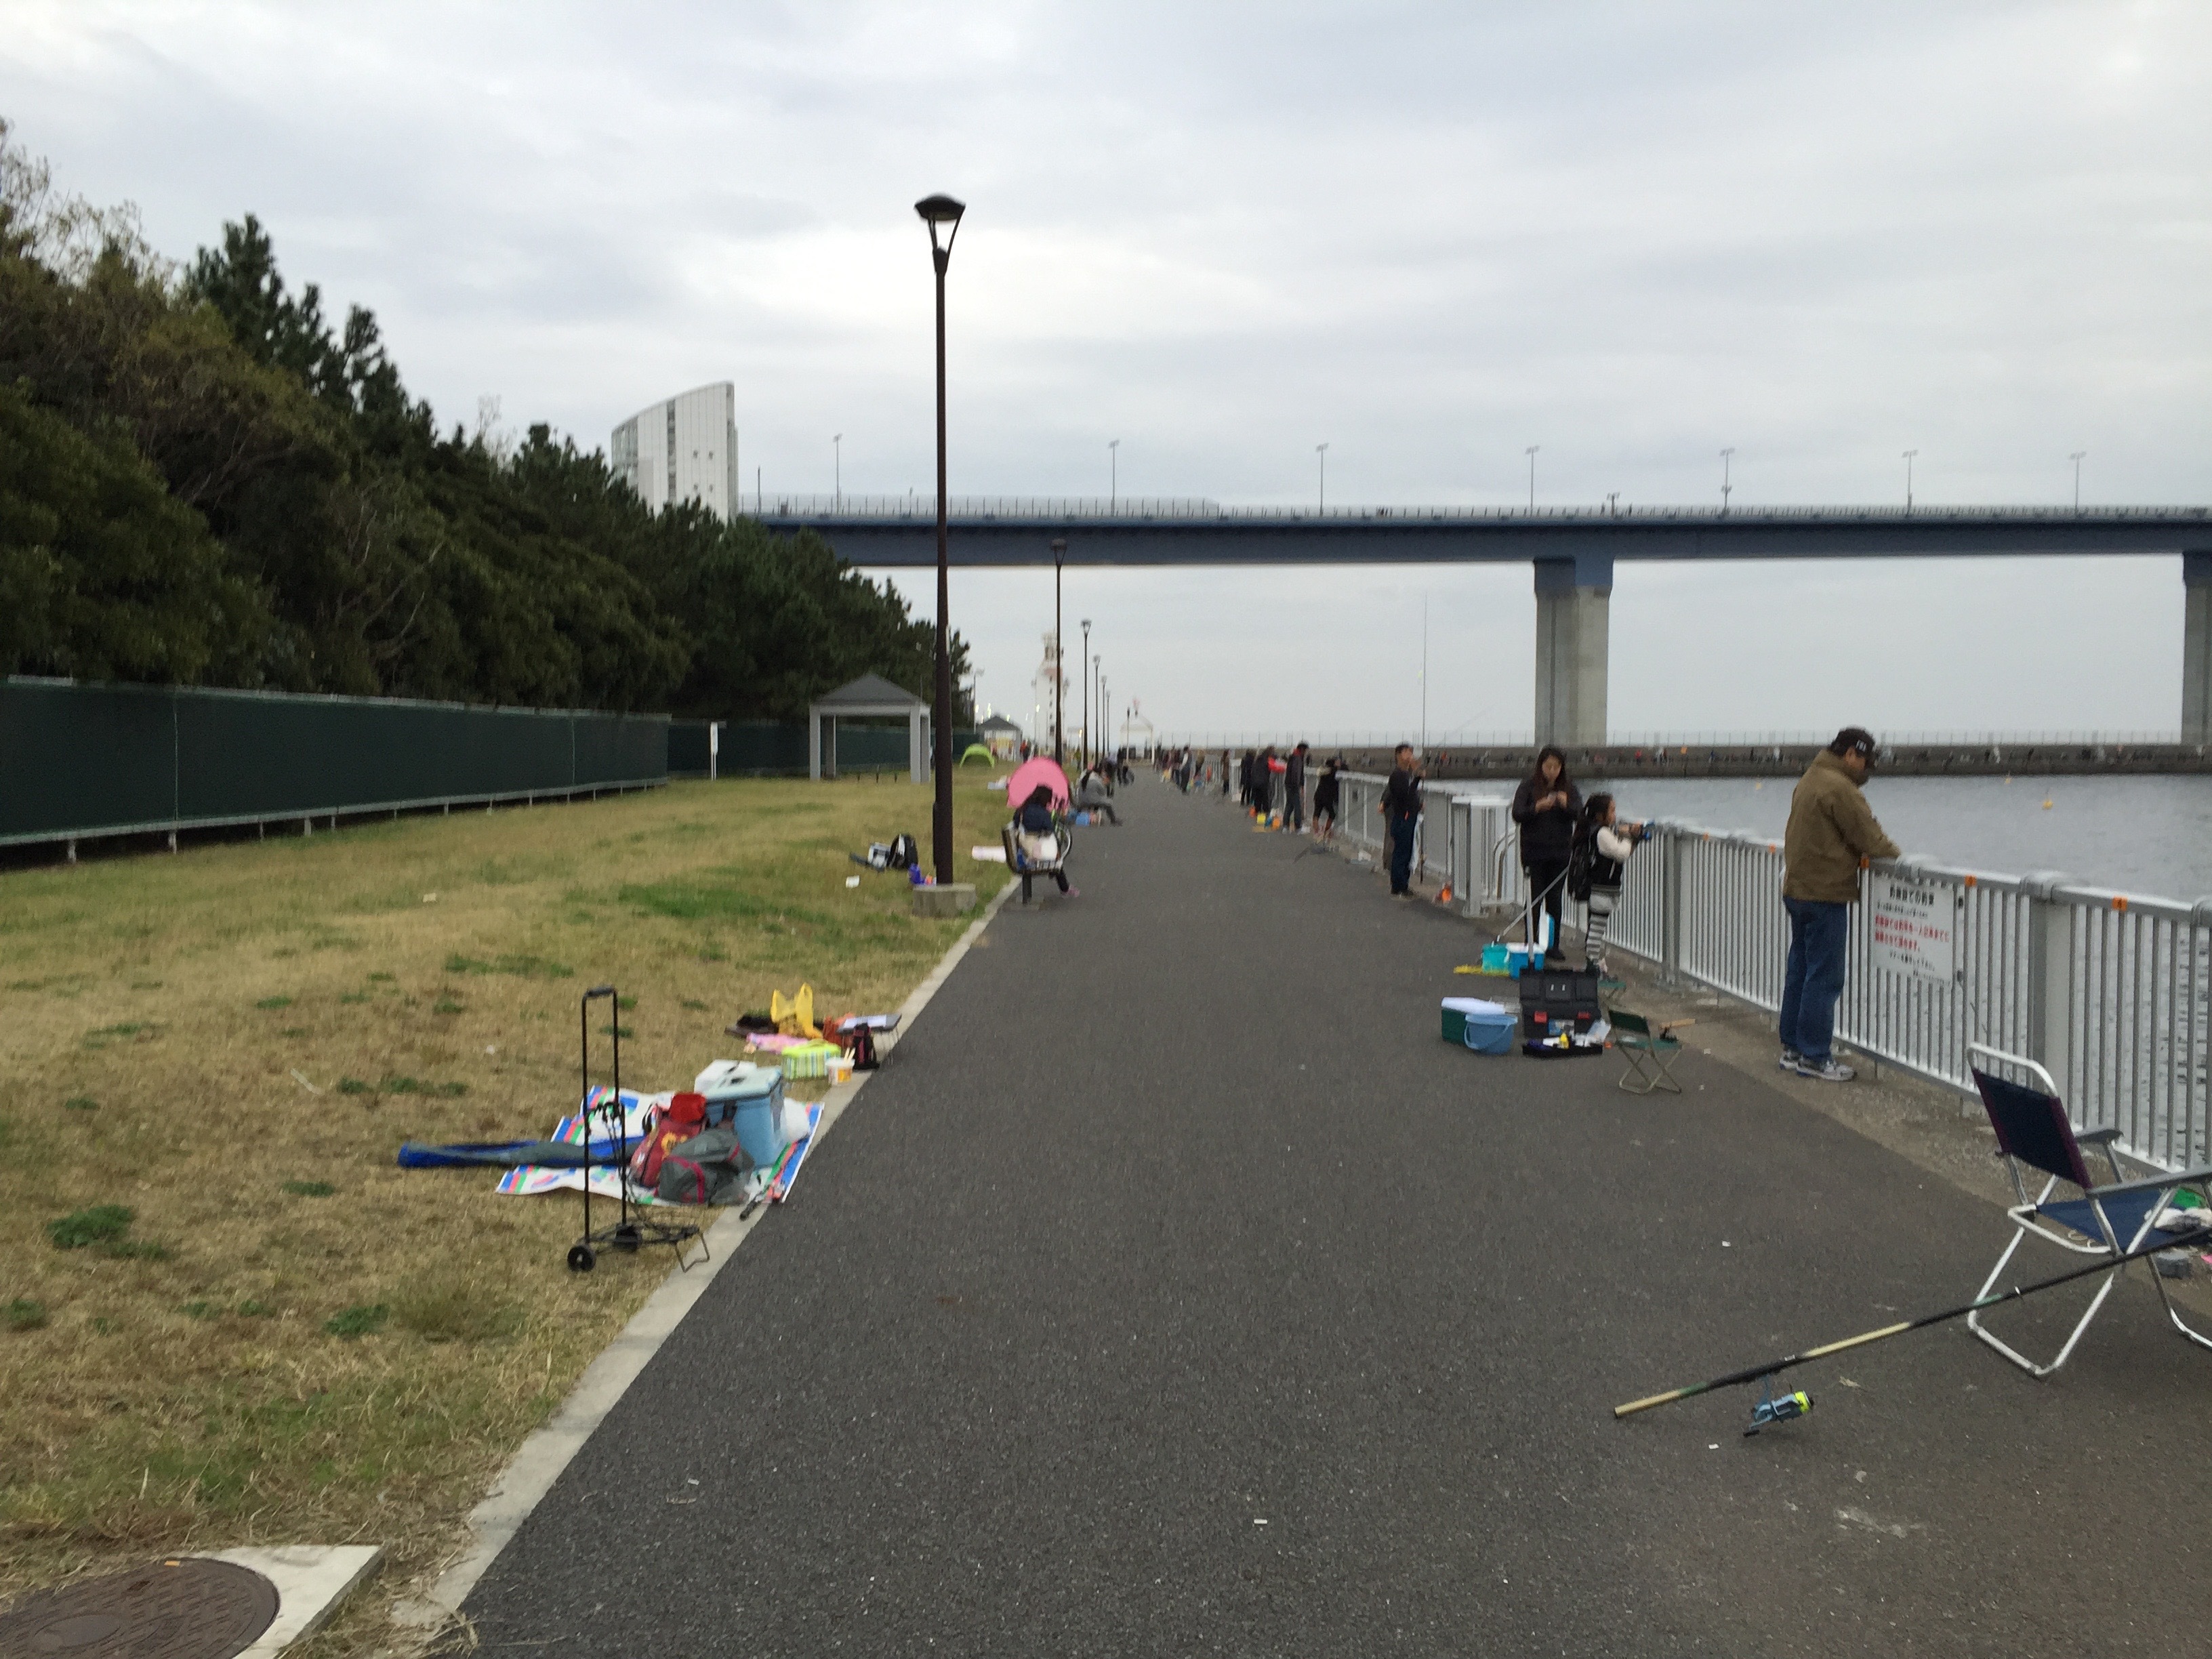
(870, 694)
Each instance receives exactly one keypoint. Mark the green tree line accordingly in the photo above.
(206, 480)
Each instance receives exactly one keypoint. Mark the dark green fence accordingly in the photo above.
(92, 759)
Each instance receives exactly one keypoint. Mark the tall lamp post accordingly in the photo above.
(1084, 663)
(2077, 458)
(1113, 474)
(1909, 454)
(936, 211)
(1727, 457)
(1059, 656)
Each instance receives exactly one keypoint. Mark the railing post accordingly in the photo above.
(2050, 975)
(1462, 876)
(1671, 854)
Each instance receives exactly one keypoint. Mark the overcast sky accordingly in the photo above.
(1427, 236)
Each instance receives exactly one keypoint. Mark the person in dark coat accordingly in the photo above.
(1326, 791)
(1294, 791)
(1546, 806)
(1402, 810)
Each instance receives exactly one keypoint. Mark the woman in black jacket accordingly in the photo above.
(1545, 806)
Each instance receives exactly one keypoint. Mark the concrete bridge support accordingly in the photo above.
(2196, 647)
(1574, 598)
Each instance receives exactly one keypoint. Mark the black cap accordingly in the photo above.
(1854, 740)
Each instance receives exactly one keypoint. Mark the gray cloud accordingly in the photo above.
(1430, 235)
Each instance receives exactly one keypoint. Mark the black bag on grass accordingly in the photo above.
(708, 1169)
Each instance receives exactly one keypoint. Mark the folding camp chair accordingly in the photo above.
(1649, 1054)
(2120, 1216)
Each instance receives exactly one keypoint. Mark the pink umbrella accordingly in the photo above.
(1042, 769)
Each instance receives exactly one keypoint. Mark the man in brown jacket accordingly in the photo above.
(1832, 830)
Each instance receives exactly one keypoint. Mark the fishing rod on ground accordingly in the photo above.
(1771, 1409)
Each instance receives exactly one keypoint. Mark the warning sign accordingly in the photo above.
(1915, 929)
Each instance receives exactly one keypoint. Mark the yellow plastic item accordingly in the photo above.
(794, 1016)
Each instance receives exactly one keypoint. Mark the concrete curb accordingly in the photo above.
(538, 1462)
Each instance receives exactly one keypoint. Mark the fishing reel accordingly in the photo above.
(1777, 1408)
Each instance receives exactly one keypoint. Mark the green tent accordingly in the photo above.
(976, 751)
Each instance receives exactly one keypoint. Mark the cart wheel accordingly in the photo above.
(582, 1258)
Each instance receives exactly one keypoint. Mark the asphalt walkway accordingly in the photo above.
(1175, 1291)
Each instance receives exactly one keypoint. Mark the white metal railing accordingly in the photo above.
(2108, 990)
(1460, 741)
(2112, 992)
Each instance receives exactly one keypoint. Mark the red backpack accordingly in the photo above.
(665, 1126)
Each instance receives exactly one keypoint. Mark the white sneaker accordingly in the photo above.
(1792, 1060)
(1831, 1070)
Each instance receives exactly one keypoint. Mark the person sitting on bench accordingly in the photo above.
(1038, 834)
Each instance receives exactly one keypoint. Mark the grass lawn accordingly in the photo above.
(225, 1316)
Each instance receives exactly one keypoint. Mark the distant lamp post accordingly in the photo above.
(1321, 450)
(1113, 473)
(2077, 458)
(837, 463)
(1909, 454)
(1084, 663)
(1727, 456)
(1059, 654)
(942, 211)
(1531, 453)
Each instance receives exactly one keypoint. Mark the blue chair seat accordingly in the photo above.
(2126, 1214)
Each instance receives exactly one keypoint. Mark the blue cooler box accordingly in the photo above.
(754, 1105)
(1484, 1027)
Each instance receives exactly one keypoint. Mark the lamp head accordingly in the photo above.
(937, 210)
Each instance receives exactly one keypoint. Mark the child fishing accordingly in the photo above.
(1596, 867)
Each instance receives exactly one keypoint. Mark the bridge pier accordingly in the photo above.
(2196, 647)
(1574, 598)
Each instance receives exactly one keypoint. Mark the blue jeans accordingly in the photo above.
(1818, 936)
(1401, 851)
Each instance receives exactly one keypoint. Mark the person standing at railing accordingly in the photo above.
(1546, 806)
(1325, 789)
(1294, 791)
(1402, 810)
(1832, 832)
(1598, 868)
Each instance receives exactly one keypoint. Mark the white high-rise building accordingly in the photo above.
(683, 450)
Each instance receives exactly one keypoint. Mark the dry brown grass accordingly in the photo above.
(179, 1387)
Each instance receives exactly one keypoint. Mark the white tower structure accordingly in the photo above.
(683, 450)
(1040, 688)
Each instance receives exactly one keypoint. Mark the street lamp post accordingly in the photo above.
(1113, 473)
(1084, 663)
(936, 210)
(837, 463)
(1059, 654)
(1321, 450)
(1531, 453)
(1098, 679)
(1727, 456)
(2077, 458)
(1909, 454)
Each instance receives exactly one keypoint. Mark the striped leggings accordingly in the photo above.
(1600, 918)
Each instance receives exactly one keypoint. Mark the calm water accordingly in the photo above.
(2145, 836)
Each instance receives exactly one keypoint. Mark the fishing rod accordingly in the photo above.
(1755, 1373)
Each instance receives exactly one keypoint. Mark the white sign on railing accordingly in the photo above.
(1914, 929)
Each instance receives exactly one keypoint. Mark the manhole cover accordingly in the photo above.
(186, 1608)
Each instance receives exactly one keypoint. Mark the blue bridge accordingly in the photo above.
(1572, 551)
